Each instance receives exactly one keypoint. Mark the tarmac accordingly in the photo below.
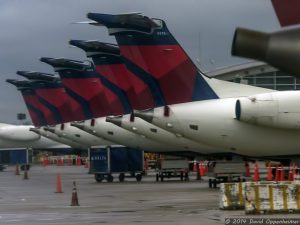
(172, 202)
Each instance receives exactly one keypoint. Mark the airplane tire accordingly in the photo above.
(138, 177)
(121, 177)
(110, 178)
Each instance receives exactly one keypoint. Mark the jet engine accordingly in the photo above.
(280, 49)
(277, 109)
(18, 133)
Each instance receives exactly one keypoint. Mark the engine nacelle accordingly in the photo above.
(277, 109)
(18, 133)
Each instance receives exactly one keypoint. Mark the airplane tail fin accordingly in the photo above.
(287, 11)
(73, 73)
(53, 96)
(36, 114)
(149, 49)
(108, 62)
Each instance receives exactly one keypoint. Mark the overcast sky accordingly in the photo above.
(31, 29)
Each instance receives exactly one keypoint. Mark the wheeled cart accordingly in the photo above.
(127, 162)
(173, 168)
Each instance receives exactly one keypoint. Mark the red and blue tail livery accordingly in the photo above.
(36, 111)
(109, 63)
(151, 51)
(53, 95)
(109, 98)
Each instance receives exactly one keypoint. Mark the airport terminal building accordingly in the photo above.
(257, 74)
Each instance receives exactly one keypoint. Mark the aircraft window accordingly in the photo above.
(153, 130)
(110, 132)
(194, 127)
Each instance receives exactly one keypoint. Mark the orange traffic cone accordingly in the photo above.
(248, 174)
(270, 175)
(201, 169)
(282, 174)
(78, 161)
(47, 161)
(206, 168)
(58, 184)
(195, 166)
(290, 178)
(74, 201)
(256, 173)
(70, 161)
(277, 174)
(25, 173)
(294, 172)
(86, 165)
(17, 170)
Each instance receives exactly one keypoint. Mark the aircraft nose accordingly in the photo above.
(146, 115)
(117, 120)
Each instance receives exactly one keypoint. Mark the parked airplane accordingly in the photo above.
(108, 63)
(74, 74)
(20, 136)
(208, 115)
(62, 108)
(40, 115)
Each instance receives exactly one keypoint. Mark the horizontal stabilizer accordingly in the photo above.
(37, 76)
(19, 83)
(134, 21)
(96, 47)
(65, 63)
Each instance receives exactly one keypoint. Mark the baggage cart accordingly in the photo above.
(170, 168)
(127, 162)
(223, 172)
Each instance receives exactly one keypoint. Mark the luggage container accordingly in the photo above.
(272, 198)
(22, 157)
(127, 162)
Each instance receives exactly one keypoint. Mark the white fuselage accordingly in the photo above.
(214, 122)
(59, 139)
(79, 136)
(121, 136)
(158, 134)
(19, 136)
